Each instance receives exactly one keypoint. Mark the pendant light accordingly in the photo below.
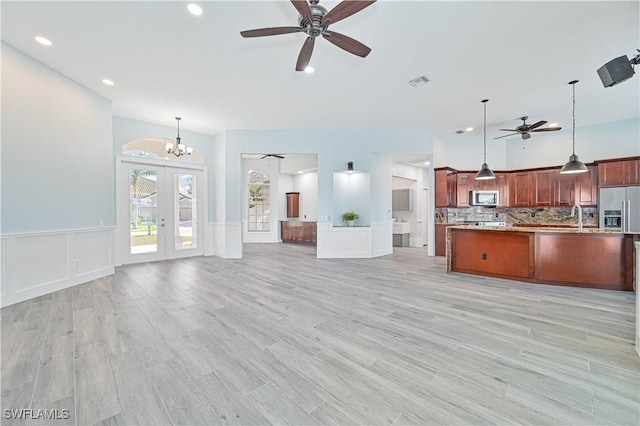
(574, 165)
(178, 149)
(485, 172)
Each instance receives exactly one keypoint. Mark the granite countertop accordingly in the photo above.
(542, 229)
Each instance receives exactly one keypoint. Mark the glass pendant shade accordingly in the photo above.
(485, 173)
(574, 166)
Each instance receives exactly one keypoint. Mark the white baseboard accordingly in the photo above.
(39, 263)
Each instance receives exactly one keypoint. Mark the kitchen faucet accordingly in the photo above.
(573, 213)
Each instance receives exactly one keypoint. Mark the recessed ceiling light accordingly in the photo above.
(553, 124)
(468, 129)
(194, 9)
(309, 69)
(427, 163)
(108, 82)
(300, 171)
(43, 41)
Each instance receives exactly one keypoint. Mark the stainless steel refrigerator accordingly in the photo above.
(620, 208)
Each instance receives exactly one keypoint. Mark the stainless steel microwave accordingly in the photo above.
(484, 198)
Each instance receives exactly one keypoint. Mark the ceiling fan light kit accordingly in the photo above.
(485, 172)
(314, 21)
(574, 165)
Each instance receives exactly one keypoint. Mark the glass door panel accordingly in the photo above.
(185, 196)
(143, 211)
(154, 199)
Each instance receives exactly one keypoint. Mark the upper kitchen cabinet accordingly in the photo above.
(446, 187)
(553, 189)
(520, 189)
(619, 172)
(464, 183)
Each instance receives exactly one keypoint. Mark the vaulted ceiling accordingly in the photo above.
(166, 62)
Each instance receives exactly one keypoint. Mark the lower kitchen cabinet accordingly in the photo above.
(293, 231)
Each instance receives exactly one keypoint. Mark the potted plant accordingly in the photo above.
(350, 218)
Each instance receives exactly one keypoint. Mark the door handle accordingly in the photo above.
(624, 216)
(628, 215)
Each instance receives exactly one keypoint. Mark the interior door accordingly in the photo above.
(160, 212)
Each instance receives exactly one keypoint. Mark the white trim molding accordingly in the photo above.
(39, 263)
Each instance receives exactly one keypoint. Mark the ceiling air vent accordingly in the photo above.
(418, 81)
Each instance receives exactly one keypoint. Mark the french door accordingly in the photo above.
(160, 211)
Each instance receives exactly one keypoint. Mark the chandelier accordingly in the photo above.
(178, 148)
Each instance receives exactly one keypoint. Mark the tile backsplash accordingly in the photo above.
(514, 216)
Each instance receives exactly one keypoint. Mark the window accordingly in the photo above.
(154, 148)
(259, 219)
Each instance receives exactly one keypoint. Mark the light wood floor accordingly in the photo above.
(284, 338)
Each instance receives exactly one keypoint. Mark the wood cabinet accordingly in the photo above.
(520, 189)
(441, 239)
(550, 188)
(549, 257)
(292, 231)
(465, 182)
(543, 188)
(525, 188)
(446, 188)
(623, 172)
(293, 204)
(502, 185)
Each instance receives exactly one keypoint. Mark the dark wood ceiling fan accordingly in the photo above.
(525, 129)
(314, 20)
(272, 155)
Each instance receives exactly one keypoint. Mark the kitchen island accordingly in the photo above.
(561, 256)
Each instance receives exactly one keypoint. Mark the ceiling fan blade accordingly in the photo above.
(505, 136)
(264, 156)
(261, 32)
(509, 130)
(347, 43)
(538, 124)
(547, 129)
(278, 156)
(344, 10)
(305, 54)
(303, 8)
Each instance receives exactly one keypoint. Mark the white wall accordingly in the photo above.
(469, 154)
(307, 185)
(611, 140)
(58, 202)
(57, 157)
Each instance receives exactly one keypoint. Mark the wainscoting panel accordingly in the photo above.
(38, 263)
(228, 240)
(343, 242)
(381, 238)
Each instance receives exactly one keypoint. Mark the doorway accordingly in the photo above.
(161, 211)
